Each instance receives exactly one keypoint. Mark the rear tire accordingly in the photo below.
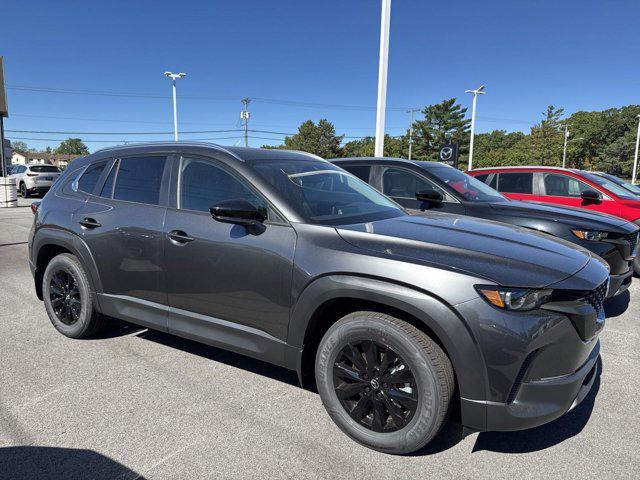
(67, 298)
(24, 191)
(396, 412)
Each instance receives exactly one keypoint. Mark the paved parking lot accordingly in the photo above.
(140, 404)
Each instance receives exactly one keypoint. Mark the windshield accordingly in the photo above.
(635, 189)
(611, 186)
(44, 169)
(325, 194)
(470, 188)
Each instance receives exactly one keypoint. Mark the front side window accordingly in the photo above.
(401, 183)
(468, 187)
(139, 179)
(516, 182)
(323, 193)
(89, 178)
(615, 185)
(203, 184)
(360, 171)
(559, 185)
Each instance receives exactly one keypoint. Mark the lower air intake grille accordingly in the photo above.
(596, 297)
(632, 238)
(518, 380)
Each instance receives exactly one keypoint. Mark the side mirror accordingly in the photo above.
(430, 197)
(239, 212)
(591, 196)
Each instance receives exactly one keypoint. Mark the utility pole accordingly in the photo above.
(173, 77)
(635, 158)
(476, 92)
(410, 112)
(244, 116)
(385, 19)
(564, 149)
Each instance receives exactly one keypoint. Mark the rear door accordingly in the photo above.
(225, 285)
(122, 223)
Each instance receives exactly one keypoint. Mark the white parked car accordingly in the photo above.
(34, 178)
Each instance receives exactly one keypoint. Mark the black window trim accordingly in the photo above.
(172, 202)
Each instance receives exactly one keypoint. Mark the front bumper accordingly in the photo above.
(537, 365)
(540, 401)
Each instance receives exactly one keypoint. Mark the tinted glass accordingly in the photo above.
(107, 188)
(45, 169)
(139, 179)
(90, 177)
(483, 177)
(615, 185)
(468, 187)
(203, 184)
(516, 182)
(401, 183)
(322, 193)
(559, 185)
(360, 171)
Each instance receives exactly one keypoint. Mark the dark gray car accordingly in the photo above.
(397, 319)
(445, 189)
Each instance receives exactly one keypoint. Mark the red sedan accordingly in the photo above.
(573, 188)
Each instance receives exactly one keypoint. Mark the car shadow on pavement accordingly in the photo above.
(616, 306)
(32, 462)
(224, 356)
(544, 436)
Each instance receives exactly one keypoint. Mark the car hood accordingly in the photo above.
(504, 254)
(572, 217)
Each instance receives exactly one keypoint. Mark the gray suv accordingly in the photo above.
(396, 319)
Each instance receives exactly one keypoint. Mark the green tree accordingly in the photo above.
(397, 147)
(19, 146)
(443, 122)
(72, 146)
(547, 137)
(320, 139)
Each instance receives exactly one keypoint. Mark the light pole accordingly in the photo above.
(635, 157)
(410, 112)
(385, 18)
(564, 149)
(476, 92)
(173, 77)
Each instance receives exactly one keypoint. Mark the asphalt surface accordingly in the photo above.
(135, 403)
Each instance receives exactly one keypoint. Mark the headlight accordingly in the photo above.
(514, 299)
(590, 235)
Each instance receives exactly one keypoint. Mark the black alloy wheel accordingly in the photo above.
(375, 386)
(65, 297)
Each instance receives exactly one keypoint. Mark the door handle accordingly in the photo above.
(89, 223)
(179, 237)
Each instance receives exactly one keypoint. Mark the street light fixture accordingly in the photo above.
(476, 92)
(173, 77)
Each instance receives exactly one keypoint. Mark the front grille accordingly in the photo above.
(596, 297)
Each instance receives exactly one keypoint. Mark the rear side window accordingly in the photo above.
(516, 182)
(400, 183)
(483, 177)
(138, 179)
(360, 171)
(89, 178)
(559, 185)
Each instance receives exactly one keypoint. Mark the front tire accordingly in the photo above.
(385, 383)
(67, 298)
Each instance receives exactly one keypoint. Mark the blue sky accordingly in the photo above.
(580, 55)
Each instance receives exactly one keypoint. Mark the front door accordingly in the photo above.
(225, 285)
(566, 190)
